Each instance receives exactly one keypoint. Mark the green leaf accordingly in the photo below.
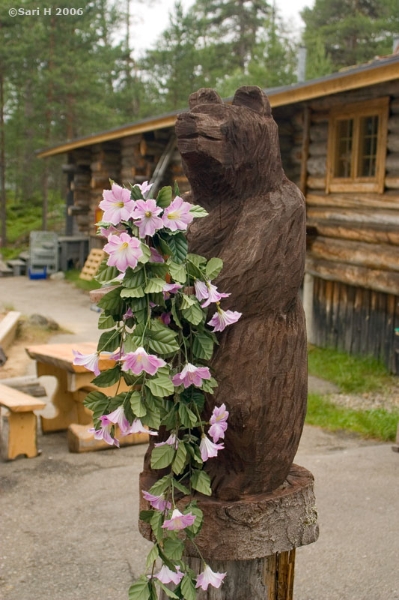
(187, 301)
(98, 403)
(162, 456)
(175, 314)
(201, 482)
(198, 211)
(138, 304)
(109, 341)
(136, 193)
(202, 346)
(156, 525)
(112, 300)
(146, 515)
(199, 517)
(188, 588)
(179, 460)
(167, 591)
(209, 384)
(140, 590)
(152, 418)
(146, 253)
(164, 197)
(196, 259)
(137, 292)
(173, 548)
(165, 249)
(176, 190)
(160, 486)
(154, 286)
(106, 273)
(182, 488)
(194, 452)
(138, 406)
(187, 417)
(170, 419)
(194, 314)
(178, 246)
(134, 277)
(161, 386)
(177, 271)
(159, 270)
(194, 271)
(108, 377)
(161, 339)
(106, 321)
(152, 556)
(213, 268)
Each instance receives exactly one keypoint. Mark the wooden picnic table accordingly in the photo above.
(73, 383)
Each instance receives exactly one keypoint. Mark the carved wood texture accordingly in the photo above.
(256, 225)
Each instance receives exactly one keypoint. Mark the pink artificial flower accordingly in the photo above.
(104, 434)
(166, 575)
(170, 288)
(124, 251)
(138, 427)
(166, 318)
(139, 361)
(107, 231)
(191, 375)
(217, 430)
(177, 215)
(157, 502)
(155, 256)
(117, 417)
(143, 187)
(117, 204)
(128, 314)
(218, 422)
(222, 318)
(209, 577)
(208, 292)
(171, 441)
(147, 211)
(90, 361)
(178, 521)
(208, 449)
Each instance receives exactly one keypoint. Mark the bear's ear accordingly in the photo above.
(252, 97)
(204, 96)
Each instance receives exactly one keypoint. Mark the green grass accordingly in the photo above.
(73, 277)
(378, 424)
(352, 374)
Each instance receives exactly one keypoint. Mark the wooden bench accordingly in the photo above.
(21, 423)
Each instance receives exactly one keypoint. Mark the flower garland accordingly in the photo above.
(156, 331)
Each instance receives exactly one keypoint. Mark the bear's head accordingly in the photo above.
(229, 150)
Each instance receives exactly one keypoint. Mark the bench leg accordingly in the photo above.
(22, 435)
(62, 400)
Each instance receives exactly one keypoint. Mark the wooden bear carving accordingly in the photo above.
(256, 225)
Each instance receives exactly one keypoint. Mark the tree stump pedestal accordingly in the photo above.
(253, 539)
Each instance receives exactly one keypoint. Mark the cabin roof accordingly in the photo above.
(379, 70)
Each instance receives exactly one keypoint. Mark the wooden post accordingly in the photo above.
(263, 506)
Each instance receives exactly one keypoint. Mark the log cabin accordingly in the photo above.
(339, 139)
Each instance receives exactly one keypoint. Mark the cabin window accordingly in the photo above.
(357, 147)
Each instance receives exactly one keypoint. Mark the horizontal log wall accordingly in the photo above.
(355, 320)
(353, 243)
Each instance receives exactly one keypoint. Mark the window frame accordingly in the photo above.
(356, 111)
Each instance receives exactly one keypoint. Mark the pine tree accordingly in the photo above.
(352, 31)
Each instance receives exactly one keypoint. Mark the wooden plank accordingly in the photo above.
(17, 401)
(354, 200)
(392, 183)
(316, 183)
(346, 215)
(8, 328)
(382, 281)
(61, 355)
(304, 150)
(373, 256)
(372, 233)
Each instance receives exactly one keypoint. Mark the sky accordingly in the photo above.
(150, 22)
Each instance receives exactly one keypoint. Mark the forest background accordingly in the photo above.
(62, 78)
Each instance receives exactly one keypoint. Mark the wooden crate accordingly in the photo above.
(92, 264)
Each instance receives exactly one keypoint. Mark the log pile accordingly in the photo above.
(105, 165)
(79, 163)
